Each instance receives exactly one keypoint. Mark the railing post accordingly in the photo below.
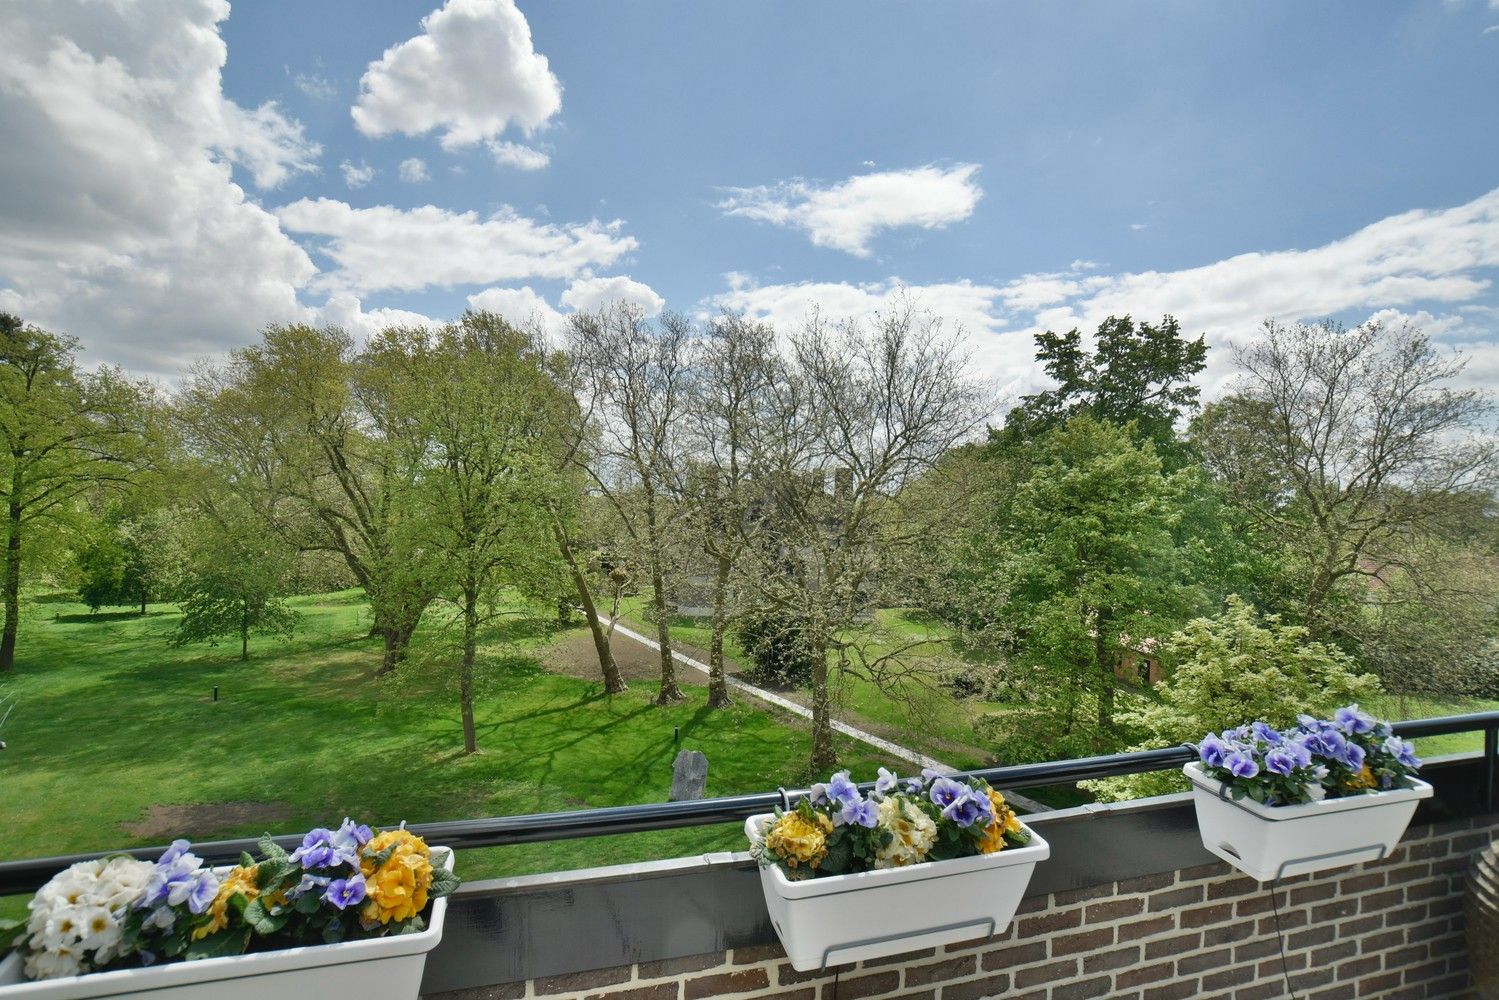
(1490, 752)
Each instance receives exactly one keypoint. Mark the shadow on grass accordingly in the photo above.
(99, 619)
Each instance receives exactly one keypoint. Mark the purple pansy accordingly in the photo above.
(344, 892)
(1241, 765)
(1279, 761)
(1351, 720)
(885, 783)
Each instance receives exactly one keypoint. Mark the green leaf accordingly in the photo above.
(272, 873)
(261, 921)
(444, 883)
(218, 945)
(245, 861)
(269, 849)
(308, 902)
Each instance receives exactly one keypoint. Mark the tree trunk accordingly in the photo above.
(613, 682)
(143, 604)
(466, 682)
(718, 688)
(824, 757)
(1104, 664)
(670, 692)
(12, 582)
(244, 630)
(397, 637)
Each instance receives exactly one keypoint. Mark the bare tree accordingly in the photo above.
(859, 413)
(1344, 446)
(639, 371)
(735, 370)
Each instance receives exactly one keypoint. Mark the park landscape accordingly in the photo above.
(324, 579)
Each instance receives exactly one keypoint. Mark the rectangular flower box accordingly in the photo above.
(1276, 842)
(388, 968)
(848, 918)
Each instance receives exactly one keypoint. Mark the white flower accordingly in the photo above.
(76, 920)
(913, 834)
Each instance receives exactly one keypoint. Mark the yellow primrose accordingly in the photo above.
(397, 890)
(799, 841)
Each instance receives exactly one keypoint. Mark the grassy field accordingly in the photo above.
(116, 738)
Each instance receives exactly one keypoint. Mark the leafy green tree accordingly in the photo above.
(1235, 668)
(316, 447)
(64, 433)
(483, 396)
(1138, 375)
(1081, 569)
(131, 561)
(233, 586)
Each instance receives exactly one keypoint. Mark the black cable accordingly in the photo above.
(1285, 966)
(836, 973)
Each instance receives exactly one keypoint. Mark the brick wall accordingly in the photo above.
(1392, 930)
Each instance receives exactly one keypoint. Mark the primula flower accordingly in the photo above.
(912, 834)
(397, 889)
(799, 841)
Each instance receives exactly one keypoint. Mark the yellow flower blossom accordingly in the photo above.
(1005, 821)
(912, 834)
(1364, 779)
(397, 890)
(240, 881)
(799, 841)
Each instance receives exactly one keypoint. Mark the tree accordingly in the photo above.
(316, 446)
(485, 400)
(1344, 446)
(639, 371)
(857, 414)
(1235, 668)
(1138, 375)
(131, 558)
(233, 584)
(733, 374)
(63, 433)
(1082, 570)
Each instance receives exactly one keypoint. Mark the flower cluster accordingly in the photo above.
(339, 884)
(76, 922)
(1350, 754)
(838, 829)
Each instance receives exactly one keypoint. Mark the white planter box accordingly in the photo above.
(388, 968)
(1275, 842)
(848, 918)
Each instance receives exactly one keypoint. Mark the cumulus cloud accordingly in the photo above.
(387, 248)
(517, 155)
(849, 215)
(1430, 264)
(472, 73)
(357, 175)
(414, 170)
(346, 311)
(119, 217)
(589, 294)
(522, 307)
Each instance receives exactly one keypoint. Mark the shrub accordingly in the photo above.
(1228, 670)
(776, 644)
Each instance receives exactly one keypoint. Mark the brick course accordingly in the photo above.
(1390, 930)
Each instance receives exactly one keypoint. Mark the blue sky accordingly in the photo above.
(1013, 166)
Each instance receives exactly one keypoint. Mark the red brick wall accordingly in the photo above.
(1392, 930)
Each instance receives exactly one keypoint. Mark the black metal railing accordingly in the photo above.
(500, 831)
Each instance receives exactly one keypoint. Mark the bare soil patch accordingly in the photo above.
(200, 819)
(576, 657)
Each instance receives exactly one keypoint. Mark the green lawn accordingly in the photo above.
(111, 721)
(1399, 707)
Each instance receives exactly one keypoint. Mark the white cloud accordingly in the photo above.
(522, 307)
(589, 294)
(314, 86)
(514, 154)
(408, 249)
(414, 171)
(357, 176)
(1423, 263)
(266, 143)
(119, 217)
(472, 73)
(848, 215)
(346, 311)
(1139, 227)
